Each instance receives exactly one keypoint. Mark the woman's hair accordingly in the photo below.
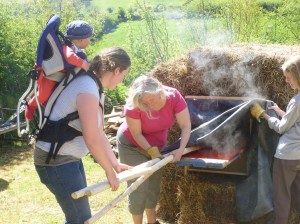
(293, 66)
(144, 84)
(109, 59)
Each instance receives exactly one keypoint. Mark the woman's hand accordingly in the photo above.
(275, 107)
(113, 181)
(177, 155)
(121, 167)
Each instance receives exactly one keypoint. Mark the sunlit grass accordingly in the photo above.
(23, 199)
(115, 4)
(188, 33)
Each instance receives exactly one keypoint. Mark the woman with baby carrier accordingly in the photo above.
(77, 38)
(65, 174)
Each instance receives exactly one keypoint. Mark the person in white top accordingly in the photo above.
(286, 166)
(65, 174)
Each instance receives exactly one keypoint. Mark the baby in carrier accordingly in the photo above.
(77, 37)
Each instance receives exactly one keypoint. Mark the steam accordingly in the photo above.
(228, 140)
(203, 30)
(221, 74)
(222, 77)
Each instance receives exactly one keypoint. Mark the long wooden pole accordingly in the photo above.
(135, 172)
(124, 176)
(147, 172)
(103, 185)
(113, 203)
(113, 115)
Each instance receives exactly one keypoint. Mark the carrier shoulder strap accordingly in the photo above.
(59, 132)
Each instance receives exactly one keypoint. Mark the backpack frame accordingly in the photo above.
(49, 60)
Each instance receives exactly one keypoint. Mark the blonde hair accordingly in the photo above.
(293, 66)
(144, 84)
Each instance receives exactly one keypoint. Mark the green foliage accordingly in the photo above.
(22, 25)
(115, 4)
(153, 39)
(20, 28)
(240, 19)
(122, 14)
(149, 42)
(133, 14)
(289, 22)
(115, 97)
(214, 5)
(261, 21)
(14, 57)
(156, 33)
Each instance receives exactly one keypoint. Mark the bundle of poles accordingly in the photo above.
(140, 173)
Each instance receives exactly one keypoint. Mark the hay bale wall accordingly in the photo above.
(240, 70)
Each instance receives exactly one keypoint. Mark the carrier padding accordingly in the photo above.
(49, 51)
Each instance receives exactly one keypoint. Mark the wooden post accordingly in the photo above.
(137, 171)
(113, 203)
(103, 185)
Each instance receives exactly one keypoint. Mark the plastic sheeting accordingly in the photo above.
(254, 193)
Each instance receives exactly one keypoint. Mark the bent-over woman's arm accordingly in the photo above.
(184, 122)
(135, 128)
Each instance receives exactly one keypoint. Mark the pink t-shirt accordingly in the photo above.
(155, 129)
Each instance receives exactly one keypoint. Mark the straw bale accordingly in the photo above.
(243, 70)
(202, 198)
(169, 194)
(294, 216)
(240, 70)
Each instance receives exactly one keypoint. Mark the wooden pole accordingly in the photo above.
(103, 185)
(142, 171)
(135, 172)
(124, 176)
(113, 203)
(132, 174)
(113, 115)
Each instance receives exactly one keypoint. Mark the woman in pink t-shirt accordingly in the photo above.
(150, 110)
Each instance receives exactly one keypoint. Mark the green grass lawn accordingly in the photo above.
(187, 33)
(115, 4)
(23, 199)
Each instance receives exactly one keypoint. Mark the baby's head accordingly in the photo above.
(79, 32)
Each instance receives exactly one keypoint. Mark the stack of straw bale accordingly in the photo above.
(244, 70)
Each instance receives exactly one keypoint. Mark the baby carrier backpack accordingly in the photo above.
(59, 132)
(50, 60)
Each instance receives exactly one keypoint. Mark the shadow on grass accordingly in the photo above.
(14, 154)
(3, 184)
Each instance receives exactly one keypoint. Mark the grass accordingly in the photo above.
(187, 32)
(23, 199)
(115, 4)
(116, 38)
